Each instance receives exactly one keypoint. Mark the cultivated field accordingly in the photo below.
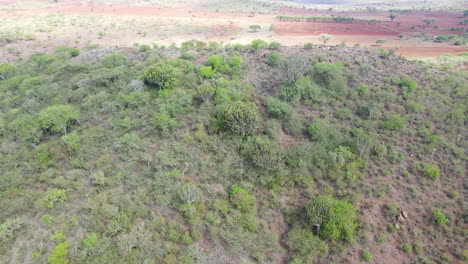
(38, 26)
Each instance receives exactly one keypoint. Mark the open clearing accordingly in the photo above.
(80, 24)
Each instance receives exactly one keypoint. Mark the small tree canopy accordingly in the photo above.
(241, 117)
(162, 76)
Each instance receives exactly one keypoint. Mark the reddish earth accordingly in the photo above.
(233, 27)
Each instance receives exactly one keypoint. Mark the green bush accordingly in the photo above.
(215, 61)
(277, 108)
(431, 171)
(241, 118)
(305, 246)
(334, 219)
(206, 91)
(242, 200)
(235, 62)
(206, 72)
(258, 44)
(393, 122)
(9, 227)
(326, 73)
(367, 256)
(439, 217)
(60, 254)
(274, 45)
(74, 52)
(407, 247)
(162, 76)
(57, 118)
(263, 153)
(55, 196)
(274, 59)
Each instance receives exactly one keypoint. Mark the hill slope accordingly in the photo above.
(237, 154)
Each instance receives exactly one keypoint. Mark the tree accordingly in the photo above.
(439, 217)
(206, 91)
(215, 61)
(189, 193)
(243, 200)
(380, 41)
(255, 28)
(57, 118)
(206, 72)
(325, 38)
(392, 16)
(241, 117)
(429, 21)
(162, 76)
(258, 44)
(60, 254)
(294, 67)
(305, 245)
(263, 153)
(333, 219)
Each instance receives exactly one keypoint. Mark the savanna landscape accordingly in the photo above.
(233, 131)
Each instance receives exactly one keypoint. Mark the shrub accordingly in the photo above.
(144, 48)
(60, 254)
(274, 59)
(439, 217)
(431, 171)
(294, 67)
(207, 72)
(290, 93)
(9, 227)
(393, 122)
(235, 62)
(334, 219)
(241, 117)
(206, 91)
(325, 73)
(277, 108)
(258, 44)
(275, 45)
(114, 60)
(242, 200)
(55, 196)
(263, 153)
(305, 245)
(367, 256)
(308, 45)
(74, 52)
(215, 61)
(189, 193)
(162, 76)
(322, 131)
(407, 247)
(57, 118)
(165, 123)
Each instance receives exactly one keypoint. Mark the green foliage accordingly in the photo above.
(277, 108)
(407, 247)
(439, 217)
(55, 196)
(9, 227)
(294, 67)
(263, 153)
(57, 118)
(60, 254)
(325, 73)
(274, 59)
(274, 45)
(431, 171)
(258, 44)
(241, 118)
(206, 72)
(164, 123)
(162, 76)
(367, 256)
(334, 219)
(255, 28)
(90, 240)
(215, 61)
(6, 71)
(206, 91)
(74, 52)
(306, 247)
(235, 62)
(189, 193)
(242, 200)
(114, 60)
(393, 122)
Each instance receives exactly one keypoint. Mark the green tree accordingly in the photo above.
(333, 219)
(305, 245)
(393, 122)
(439, 217)
(57, 118)
(206, 72)
(216, 62)
(325, 38)
(431, 171)
(255, 28)
(243, 200)
(60, 254)
(274, 59)
(162, 76)
(55, 196)
(241, 117)
(263, 153)
(258, 44)
(189, 193)
(294, 67)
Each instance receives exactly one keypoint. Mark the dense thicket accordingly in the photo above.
(233, 154)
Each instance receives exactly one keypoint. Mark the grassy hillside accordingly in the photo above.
(236, 154)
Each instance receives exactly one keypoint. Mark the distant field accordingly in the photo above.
(36, 26)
